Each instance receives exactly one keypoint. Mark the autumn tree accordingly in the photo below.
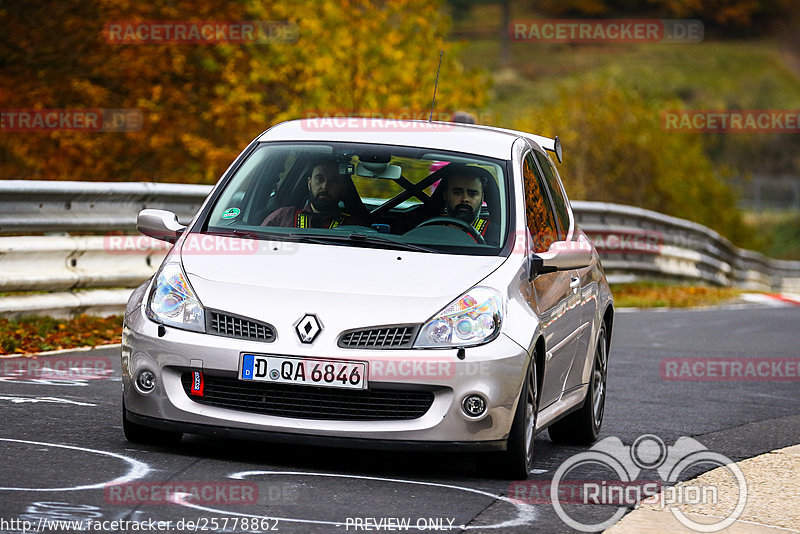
(201, 103)
(615, 150)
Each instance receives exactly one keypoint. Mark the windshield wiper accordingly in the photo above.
(323, 239)
(247, 233)
(360, 238)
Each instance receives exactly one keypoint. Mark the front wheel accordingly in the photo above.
(517, 461)
(583, 427)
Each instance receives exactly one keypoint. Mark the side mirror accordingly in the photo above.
(159, 224)
(561, 256)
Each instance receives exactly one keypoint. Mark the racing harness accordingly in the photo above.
(302, 219)
(480, 225)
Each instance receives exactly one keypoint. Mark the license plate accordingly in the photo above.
(304, 371)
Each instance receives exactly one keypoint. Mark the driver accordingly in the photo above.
(463, 195)
(325, 189)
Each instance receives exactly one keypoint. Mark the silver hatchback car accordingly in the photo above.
(375, 283)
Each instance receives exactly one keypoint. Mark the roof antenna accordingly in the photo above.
(433, 104)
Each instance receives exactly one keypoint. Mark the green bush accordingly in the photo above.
(615, 150)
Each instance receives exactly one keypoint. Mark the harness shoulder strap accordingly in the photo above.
(337, 221)
(480, 225)
(300, 219)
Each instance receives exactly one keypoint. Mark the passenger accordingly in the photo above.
(326, 188)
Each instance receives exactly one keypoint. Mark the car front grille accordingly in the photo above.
(229, 325)
(389, 337)
(310, 402)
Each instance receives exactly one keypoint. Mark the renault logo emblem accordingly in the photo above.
(308, 328)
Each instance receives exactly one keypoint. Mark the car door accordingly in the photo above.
(553, 295)
(584, 285)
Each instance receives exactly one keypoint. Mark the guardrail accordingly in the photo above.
(61, 274)
(643, 243)
(50, 206)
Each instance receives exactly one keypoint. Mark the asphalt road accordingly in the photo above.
(61, 444)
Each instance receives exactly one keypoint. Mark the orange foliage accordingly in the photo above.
(36, 334)
(541, 222)
(202, 103)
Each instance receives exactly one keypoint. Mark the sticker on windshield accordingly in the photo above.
(231, 213)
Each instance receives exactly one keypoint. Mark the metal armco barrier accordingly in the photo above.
(50, 206)
(61, 274)
(643, 243)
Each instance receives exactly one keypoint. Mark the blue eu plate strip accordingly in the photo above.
(247, 367)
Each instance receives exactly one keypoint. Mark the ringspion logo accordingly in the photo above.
(623, 486)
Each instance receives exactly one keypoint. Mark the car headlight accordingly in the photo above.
(173, 301)
(472, 319)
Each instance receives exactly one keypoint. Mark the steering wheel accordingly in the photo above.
(458, 223)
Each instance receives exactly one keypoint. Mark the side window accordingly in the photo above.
(538, 211)
(558, 198)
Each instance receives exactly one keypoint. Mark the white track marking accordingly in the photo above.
(19, 399)
(526, 514)
(136, 470)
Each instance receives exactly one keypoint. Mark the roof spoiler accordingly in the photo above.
(552, 145)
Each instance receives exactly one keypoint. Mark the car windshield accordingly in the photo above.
(367, 195)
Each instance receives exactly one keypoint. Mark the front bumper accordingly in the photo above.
(494, 370)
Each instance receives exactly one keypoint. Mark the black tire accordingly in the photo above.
(516, 462)
(583, 426)
(145, 435)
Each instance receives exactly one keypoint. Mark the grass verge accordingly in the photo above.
(652, 294)
(37, 334)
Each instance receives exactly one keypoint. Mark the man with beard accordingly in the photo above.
(463, 195)
(325, 189)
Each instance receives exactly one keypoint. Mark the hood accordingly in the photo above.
(346, 287)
